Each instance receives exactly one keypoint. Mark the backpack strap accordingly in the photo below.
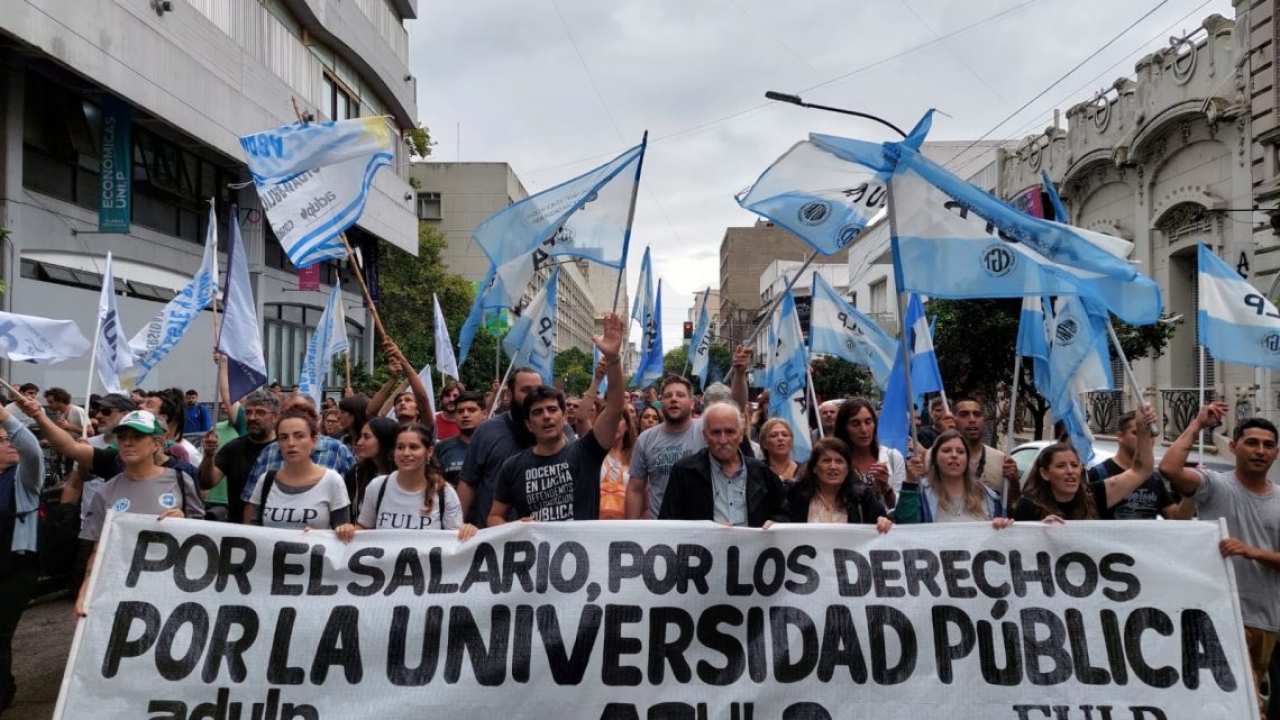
(267, 483)
(182, 490)
(382, 491)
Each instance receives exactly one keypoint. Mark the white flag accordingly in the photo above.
(445, 359)
(111, 354)
(41, 341)
(329, 339)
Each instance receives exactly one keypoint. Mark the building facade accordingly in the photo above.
(1166, 160)
(194, 75)
(456, 197)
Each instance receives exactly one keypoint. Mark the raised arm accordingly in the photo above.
(420, 394)
(606, 426)
(58, 439)
(739, 367)
(1173, 465)
(385, 393)
(1120, 486)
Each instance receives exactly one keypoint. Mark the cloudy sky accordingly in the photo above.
(555, 87)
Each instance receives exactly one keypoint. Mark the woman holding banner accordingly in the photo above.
(414, 497)
(301, 494)
(830, 492)
(947, 491)
(145, 487)
(1058, 488)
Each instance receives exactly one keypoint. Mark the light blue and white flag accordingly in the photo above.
(1055, 200)
(587, 217)
(1079, 356)
(955, 241)
(239, 339)
(161, 335)
(820, 196)
(839, 329)
(111, 355)
(700, 344)
(894, 427)
(1033, 341)
(532, 339)
(489, 298)
(313, 180)
(445, 360)
(788, 377)
(1237, 323)
(650, 364)
(40, 341)
(328, 340)
(642, 306)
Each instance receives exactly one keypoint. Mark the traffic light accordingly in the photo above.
(688, 331)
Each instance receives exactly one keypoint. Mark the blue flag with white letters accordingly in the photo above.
(1237, 323)
(700, 344)
(532, 339)
(650, 367)
(840, 329)
(788, 377)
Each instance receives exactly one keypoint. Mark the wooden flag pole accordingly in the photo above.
(217, 326)
(346, 356)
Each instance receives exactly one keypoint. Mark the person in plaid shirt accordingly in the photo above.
(329, 453)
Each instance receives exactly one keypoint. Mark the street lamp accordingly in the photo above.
(795, 100)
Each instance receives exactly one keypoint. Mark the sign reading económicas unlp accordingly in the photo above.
(115, 169)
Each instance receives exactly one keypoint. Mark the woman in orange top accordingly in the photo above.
(615, 471)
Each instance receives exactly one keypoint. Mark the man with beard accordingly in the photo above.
(679, 436)
(236, 459)
(446, 417)
(558, 479)
(988, 465)
(497, 439)
(468, 412)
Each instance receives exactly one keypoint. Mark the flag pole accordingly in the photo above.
(904, 347)
(346, 356)
(773, 304)
(93, 361)
(1128, 369)
(813, 398)
(631, 216)
(493, 409)
(1013, 398)
(217, 327)
(1201, 384)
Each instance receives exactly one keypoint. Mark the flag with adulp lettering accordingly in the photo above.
(531, 342)
(1237, 323)
(700, 344)
(111, 352)
(839, 329)
(328, 339)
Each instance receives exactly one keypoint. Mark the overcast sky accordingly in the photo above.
(555, 87)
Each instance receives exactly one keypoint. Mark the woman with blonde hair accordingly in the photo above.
(777, 442)
(947, 491)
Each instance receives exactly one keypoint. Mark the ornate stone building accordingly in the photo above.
(1164, 160)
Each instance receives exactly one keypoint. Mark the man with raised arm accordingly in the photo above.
(558, 479)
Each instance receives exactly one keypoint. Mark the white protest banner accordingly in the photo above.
(1102, 621)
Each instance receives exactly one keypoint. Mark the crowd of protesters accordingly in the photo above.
(526, 452)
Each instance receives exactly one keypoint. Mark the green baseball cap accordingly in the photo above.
(142, 421)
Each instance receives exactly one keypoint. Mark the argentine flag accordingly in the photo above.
(895, 413)
(650, 367)
(586, 217)
(532, 339)
(839, 329)
(1236, 322)
(1033, 340)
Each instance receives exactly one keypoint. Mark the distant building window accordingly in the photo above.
(429, 206)
(339, 103)
(880, 297)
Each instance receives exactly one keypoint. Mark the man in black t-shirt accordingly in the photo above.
(1152, 499)
(557, 479)
(236, 459)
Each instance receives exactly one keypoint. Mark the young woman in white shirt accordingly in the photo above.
(301, 494)
(414, 497)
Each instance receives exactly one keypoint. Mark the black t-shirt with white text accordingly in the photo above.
(1145, 503)
(553, 488)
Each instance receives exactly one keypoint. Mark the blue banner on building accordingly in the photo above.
(115, 169)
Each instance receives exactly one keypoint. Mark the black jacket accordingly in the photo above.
(867, 510)
(689, 493)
